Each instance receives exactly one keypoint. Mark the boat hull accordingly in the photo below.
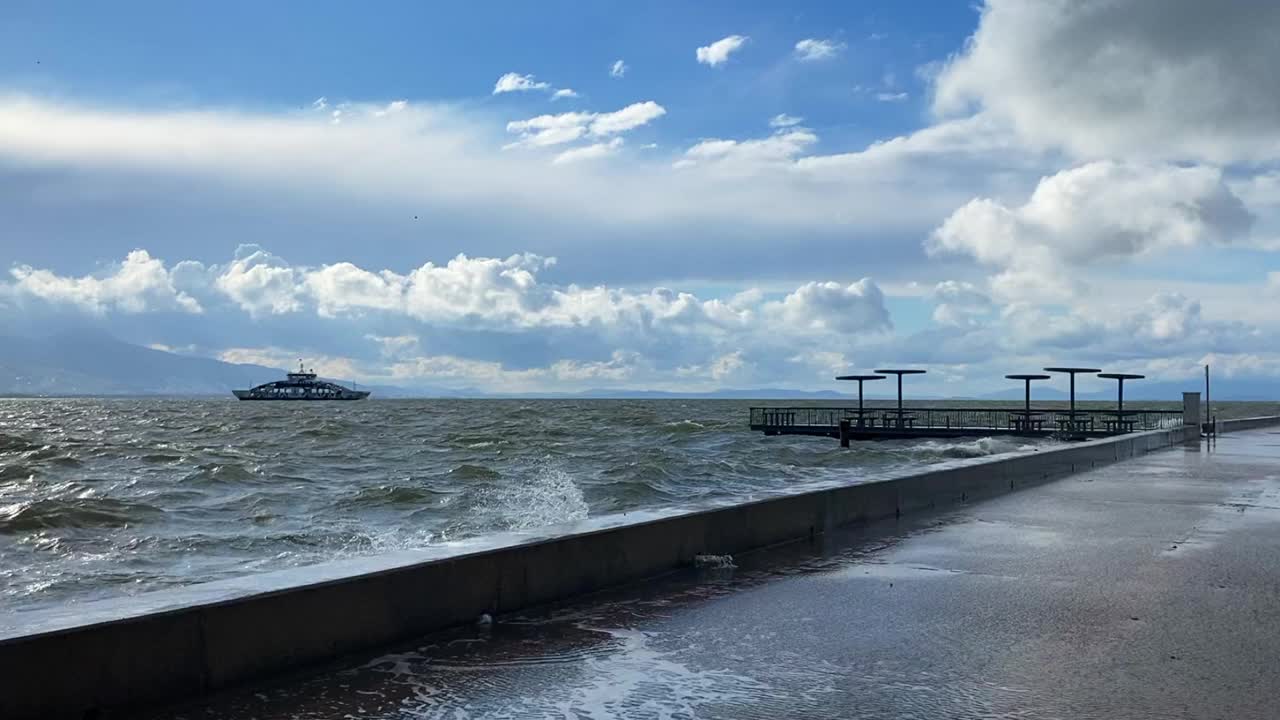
(248, 395)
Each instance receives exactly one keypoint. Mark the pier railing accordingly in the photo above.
(826, 420)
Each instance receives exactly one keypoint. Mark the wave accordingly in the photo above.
(979, 447)
(72, 513)
(474, 472)
(393, 496)
(221, 473)
(685, 426)
(14, 443)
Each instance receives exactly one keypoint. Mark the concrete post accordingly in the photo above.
(844, 433)
(1191, 410)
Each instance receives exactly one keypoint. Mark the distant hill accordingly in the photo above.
(91, 363)
(88, 362)
(94, 363)
(758, 394)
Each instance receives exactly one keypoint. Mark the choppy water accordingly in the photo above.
(104, 497)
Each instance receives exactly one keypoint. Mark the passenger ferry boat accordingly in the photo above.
(301, 385)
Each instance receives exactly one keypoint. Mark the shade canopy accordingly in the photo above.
(1028, 377)
(1121, 376)
(904, 372)
(1071, 370)
(860, 377)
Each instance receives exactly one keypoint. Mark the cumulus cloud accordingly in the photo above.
(618, 69)
(659, 330)
(260, 282)
(141, 283)
(472, 292)
(891, 96)
(812, 49)
(718, 52)
(564, 93)
(545, 130)
(832, 307)
(1178, 80)
(1101, 210)
(515, 82)
(783, 120)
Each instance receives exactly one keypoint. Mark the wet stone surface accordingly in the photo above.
(1146, 589)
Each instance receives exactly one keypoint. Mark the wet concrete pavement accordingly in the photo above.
(1144, 589)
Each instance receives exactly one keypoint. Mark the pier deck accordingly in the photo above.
(925, 422)
(1143, 589)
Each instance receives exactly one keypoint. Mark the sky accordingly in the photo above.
(551, 197)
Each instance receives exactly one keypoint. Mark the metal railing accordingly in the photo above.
(1012, 418)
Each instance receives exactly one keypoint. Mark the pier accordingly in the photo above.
(904, 422)
(954, 422)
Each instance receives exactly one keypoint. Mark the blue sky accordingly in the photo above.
(764, 195)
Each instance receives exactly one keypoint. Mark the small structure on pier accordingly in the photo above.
(906, 422)
(861, 379)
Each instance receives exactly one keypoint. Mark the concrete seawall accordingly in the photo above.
(174, 644)
(1247, 423)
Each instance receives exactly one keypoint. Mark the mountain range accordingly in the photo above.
(94, 363)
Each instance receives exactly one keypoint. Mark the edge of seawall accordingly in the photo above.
(175, 644)
(1250, 423)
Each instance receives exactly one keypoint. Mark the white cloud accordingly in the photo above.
(628, 118)
(328, 366)
(618, 69)
(564, 93)
(515, 82)
(441, 159)
(718, 52)
(749, 155)
(891, 96)
(811, 49)
(1094, 212)
(832, 307)
(727, 365)
(260, 283)
(545, 130)
(506, 295)
(960, 304)
(394, 106)
(141, 283)
(1179, 80)
(589, 152)
(495, 376)
(782, 120)
(320, 103)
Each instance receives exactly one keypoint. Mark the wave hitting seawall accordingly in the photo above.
(102, 498)
(173, 644)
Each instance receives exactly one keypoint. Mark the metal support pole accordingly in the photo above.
(1073, 400)
(844, 433)
(899, 400)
